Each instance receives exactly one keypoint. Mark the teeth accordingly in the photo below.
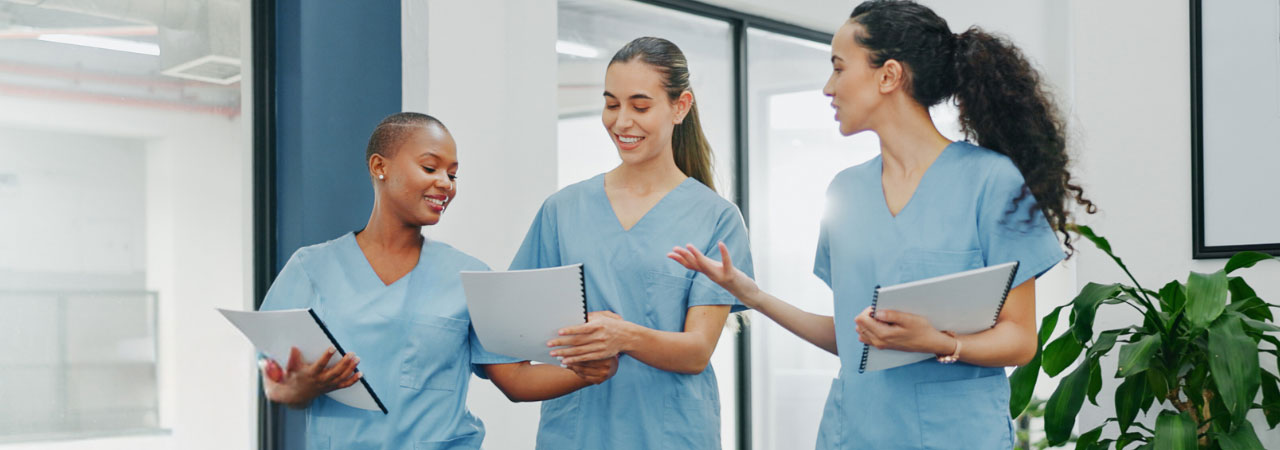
(436, 201)
(629, 140)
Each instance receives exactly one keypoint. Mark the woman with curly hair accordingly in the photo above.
(925, 207)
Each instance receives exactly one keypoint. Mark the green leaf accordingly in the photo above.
(1128, 438)
(1049, 323)
(1089, 438)
(1095, 382)
(1240, 289)
(1060, 353)
(1233, 364)
(1259, 325)
(1206, 298)
(1086, 307)
(1252, 307)
(1135, 357)
(1064, 404)
(1129, 399)
(1271, 398)
(1021, 385)
(1157, 382)
(1173, 297)
(1241, 438)
(1244, 260)
(1175, 432)
(1106, 340)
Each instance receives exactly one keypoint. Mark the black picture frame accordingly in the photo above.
(1200, 249)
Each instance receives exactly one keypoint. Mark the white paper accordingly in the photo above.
(516, 312)
(963, 302)
(276, 332)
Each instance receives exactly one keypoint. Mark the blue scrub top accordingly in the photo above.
(414, 339)
(963, 215)
(627, 272)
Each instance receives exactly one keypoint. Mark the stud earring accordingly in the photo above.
(381, 177)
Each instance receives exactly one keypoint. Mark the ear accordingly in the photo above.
(891, 76)
(683, 104)
(377, 165)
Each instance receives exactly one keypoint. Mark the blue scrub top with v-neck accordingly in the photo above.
(414, 338)
(969, 210)
(627, 272)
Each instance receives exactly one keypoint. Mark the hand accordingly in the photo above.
(722, 273)
(605, 335)
(596, 372)
(300, 382)
(896, 330)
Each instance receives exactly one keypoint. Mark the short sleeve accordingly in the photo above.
(1012, 228)
(292, 288)
(480, 356)
(822, 257)
(731, 230)
(541, 246)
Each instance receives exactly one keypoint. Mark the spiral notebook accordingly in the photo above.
(963, 302)
(516, 312)
(276, 332)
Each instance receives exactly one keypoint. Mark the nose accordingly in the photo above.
(624, 120)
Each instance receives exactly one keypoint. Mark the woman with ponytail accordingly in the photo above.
(925, 207)
(662, 319)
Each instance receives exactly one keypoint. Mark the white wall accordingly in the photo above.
(1132, 115)
(490, 76)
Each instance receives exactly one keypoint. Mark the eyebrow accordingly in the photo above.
(431, 153)
(633, 97)
(834, 58)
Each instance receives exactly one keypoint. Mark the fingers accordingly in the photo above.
(569, 341)
(322, 362)
(683, 257)
(585, 328)
(577, 351)
(295, 360)
(272, 371)
(350, 380)
(724, 259)
(342, 370)
(590, 356)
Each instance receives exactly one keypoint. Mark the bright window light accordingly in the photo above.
(123, 45)
(576, 49)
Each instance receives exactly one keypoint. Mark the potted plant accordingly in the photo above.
(1193, 357)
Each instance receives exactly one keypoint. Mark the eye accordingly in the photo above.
(429, 169)
(453, 177)
(610, 107)
(639, 109)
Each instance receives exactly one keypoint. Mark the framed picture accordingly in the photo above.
(1235, 117)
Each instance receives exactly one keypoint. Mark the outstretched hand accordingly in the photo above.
(722, 273)
(300, 382)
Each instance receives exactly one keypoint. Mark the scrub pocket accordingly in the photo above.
(691, 421)
(918, 264)
(668, 300)
(965, 414)
(436, 353)
(467, 442)
(831, 429)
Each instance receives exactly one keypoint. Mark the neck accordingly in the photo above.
(657, 173)
(910, 142)
(387, 232)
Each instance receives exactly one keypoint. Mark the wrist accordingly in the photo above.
(944, 344)
(630, 334)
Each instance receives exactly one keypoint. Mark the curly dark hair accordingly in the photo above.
(1004, 105)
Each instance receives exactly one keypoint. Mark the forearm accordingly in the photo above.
(1006, 344)
(818, 329)
(525, 382)
(673, 351)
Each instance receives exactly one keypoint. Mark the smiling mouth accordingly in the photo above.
(629, 139)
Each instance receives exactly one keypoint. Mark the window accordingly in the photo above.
(124, 220)
(589, 34)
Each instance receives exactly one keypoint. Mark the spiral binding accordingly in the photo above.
(1007, 286)
(862, 367)
(582, 283)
